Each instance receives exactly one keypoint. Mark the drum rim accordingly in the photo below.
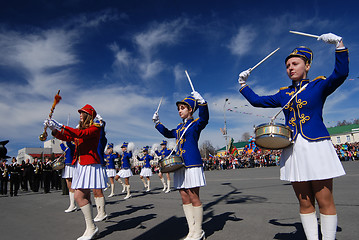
(273, 124)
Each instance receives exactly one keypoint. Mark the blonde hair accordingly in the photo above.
(87, 121)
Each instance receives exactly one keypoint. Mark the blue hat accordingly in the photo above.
(164, 142)
(189, 101)
(124, 145)
(146, 148)
(110, 145)
(302, 52)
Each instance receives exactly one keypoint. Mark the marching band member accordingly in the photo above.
(146, 170)
(46, 174)
(88, 173)
(68, 172)
(14, 170)
(125, 171)
(110, 167)
(311, 163)
(4, 176)
(164, 152)
(98, 193)
(190, 178)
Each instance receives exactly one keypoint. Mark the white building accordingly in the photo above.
(51, 149)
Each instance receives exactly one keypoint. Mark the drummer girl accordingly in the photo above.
(88, 172)
(146, 171)
(311, 163)
(164, 152)
(190, 178)
(125, 171)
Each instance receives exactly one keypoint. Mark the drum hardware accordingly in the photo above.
(275, 135)
(172, 163)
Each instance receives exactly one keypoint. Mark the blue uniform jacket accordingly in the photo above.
(305, 114)
(163, 153)
(188, 146)
(125, 160)
(147, 158)
(110, 160)
(69, 154)
(101, 145)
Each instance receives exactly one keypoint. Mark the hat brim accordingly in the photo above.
(184, 103)
(297, 55)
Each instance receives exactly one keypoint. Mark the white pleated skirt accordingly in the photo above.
(146, 172)
(125, 173)
(111, 172)
(68, 171)
(308, 161)
(189, 178)
(92, 176)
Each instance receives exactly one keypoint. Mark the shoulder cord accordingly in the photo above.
(180, 139)
(290, 100)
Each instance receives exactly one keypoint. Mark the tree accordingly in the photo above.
(206, 149)
(246, 136)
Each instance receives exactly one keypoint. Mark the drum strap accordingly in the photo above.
(290, 100)
(180, 139)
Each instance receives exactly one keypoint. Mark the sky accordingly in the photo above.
(123, 56)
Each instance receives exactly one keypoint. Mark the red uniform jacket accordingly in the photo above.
(86, 142)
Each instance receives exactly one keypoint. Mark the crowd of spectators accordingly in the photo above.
(267, 158)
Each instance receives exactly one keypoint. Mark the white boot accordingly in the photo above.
(72, 206)
(123, 185)
(107, 186)
(128, 192)
(328, 226)
(310, 225)
(198, 233)
(112, 190)
(148, 186)
(188, 212)
(144, 183)
(164, 184)
(100, 205)
(168, 186)
(91, 229)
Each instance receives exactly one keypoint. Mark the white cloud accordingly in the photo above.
(241, 43)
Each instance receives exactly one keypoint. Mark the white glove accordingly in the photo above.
(156, 118)
(53, 124)
(243, 76)
(198, 97)
(330, 38)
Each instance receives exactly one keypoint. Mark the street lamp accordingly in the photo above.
(225, 124)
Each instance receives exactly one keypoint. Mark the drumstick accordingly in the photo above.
(251, 69)
(189, 80)
(304, 34)
(159, 105)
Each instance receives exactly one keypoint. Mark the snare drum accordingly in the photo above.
(273, 136)
(58, 164)
(171, 163)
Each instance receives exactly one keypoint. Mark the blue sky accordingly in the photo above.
(123, 56)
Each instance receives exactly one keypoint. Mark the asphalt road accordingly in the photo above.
(251, 204)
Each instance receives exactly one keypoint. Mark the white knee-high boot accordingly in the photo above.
(328, 226)
(100, 205)
(123, 185)
(128, 192)
(72, 206)
(144, 182)
(148, 185)
(310, 225)
(168, 186)
(112, 190)
(164, 184)
(188, 212)
(198, 233)
(91, 229)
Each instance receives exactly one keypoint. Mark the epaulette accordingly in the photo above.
(97, 125)
(283, 88)
(317, 78)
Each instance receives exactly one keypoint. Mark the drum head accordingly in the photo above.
(274, 142)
